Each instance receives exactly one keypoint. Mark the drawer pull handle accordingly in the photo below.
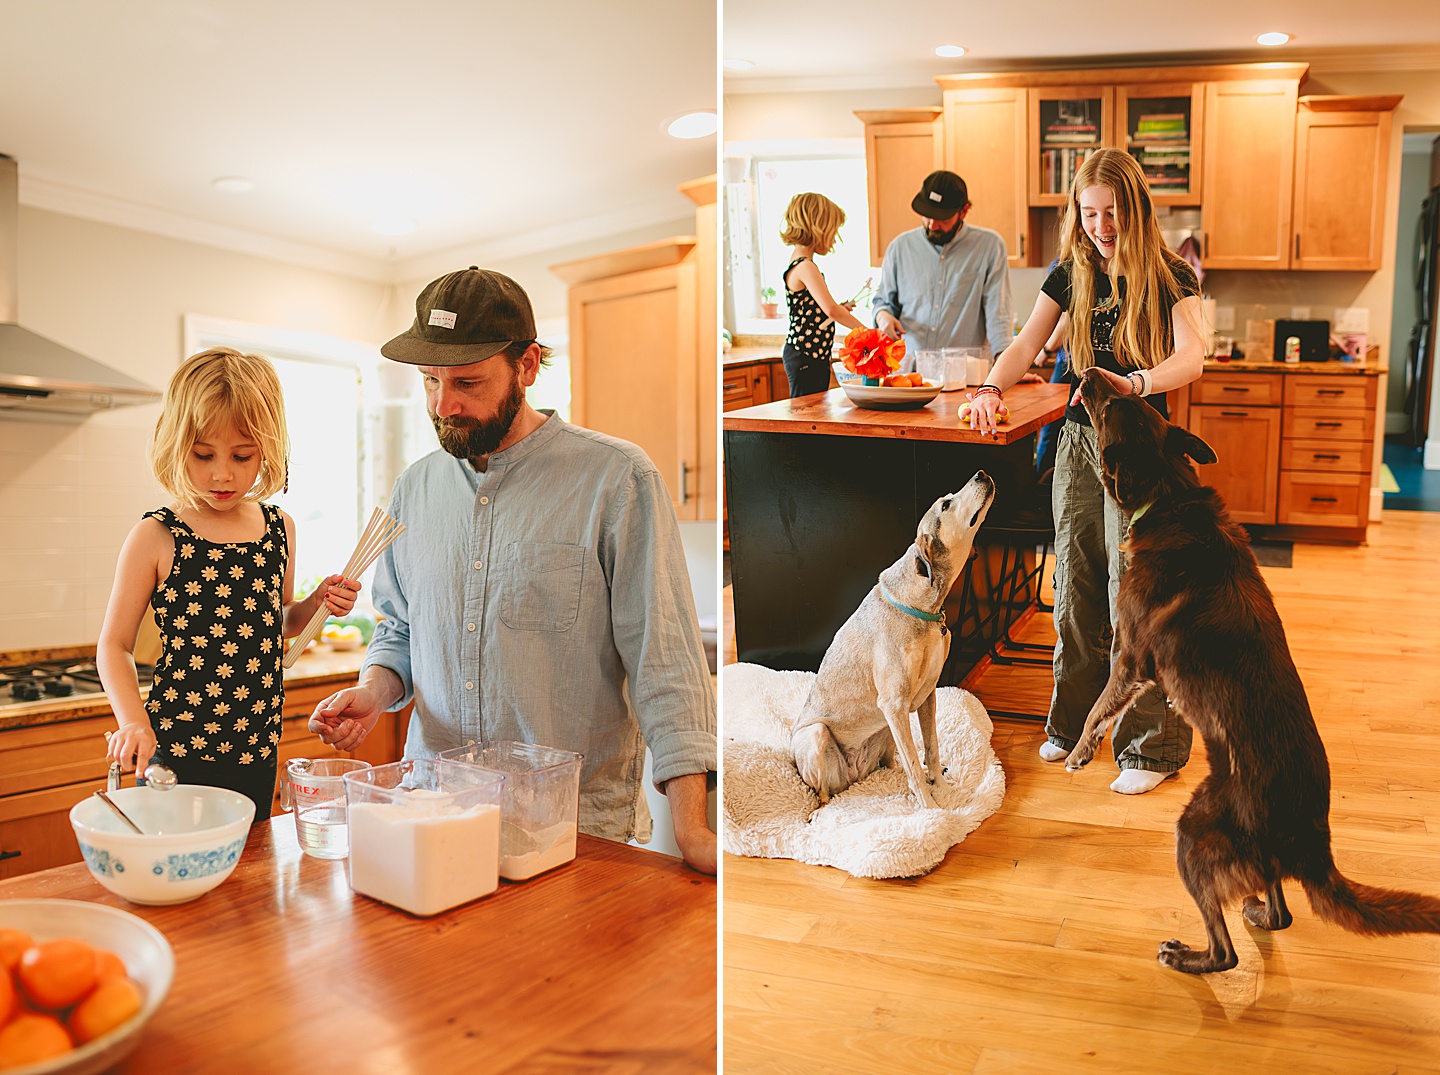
(1331, 391)
(1323, 500)
(1328, 425)
(1234, 414)
(1318, 457)
(10, 855)
(1233, 388)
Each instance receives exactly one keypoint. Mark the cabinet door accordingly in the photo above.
(900, 151)
(985, 146)
(633, 368)
(1247, 441)
(1341, 166)
(1161, 126)
(1067, 124)
(1248, 171)
(35, 831)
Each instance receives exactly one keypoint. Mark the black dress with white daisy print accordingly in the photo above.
(216, 697)
(809, 342)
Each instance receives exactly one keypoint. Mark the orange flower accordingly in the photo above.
(870, 353)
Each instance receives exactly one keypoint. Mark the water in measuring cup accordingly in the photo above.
(323, 831)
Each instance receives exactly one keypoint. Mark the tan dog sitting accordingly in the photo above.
(886, 658)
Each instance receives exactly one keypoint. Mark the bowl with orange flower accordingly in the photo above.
(874, 359)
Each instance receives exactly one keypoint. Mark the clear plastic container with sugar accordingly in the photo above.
(540, 815)
(425, 833)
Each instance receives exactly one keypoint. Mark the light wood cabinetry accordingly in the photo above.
(640, 368)
(1342, 158)
(1163, 126)
(985, 133)
(902, 147)
(1239, 416)
(1329, 433)
(1249, 160)
(746, 386)
(1065, 125)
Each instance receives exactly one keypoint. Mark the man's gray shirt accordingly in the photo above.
(951, 296)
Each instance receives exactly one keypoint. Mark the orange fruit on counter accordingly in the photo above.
(13, 943)
(112, 1002)
(56, 974)
(109, 965)
(32, 1037)
(8, 1001)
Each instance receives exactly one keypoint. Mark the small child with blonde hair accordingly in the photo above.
(216, 567)
(812, 222)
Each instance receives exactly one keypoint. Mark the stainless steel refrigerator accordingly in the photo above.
(1420, 362)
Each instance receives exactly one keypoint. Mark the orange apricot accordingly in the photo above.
(13, 943)
(112, 1002)
(30, 1038)
(109, 965)
(56, 974)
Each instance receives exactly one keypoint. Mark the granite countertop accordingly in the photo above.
(1246, 365)
(319, 664)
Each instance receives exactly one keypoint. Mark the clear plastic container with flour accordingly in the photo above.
(425, 833)
(541, 812)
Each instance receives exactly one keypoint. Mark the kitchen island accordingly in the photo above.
(606, 963)
(823, 495)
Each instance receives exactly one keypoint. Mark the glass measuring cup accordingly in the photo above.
(314, 788)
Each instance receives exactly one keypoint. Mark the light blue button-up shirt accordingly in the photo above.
(547, 600)
(957, 295)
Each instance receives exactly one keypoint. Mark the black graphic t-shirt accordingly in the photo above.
(215, 702)
(1103, 322)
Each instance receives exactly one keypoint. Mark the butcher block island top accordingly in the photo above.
(831, 413)
(606, 963)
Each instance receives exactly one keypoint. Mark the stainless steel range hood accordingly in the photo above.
(38, 375)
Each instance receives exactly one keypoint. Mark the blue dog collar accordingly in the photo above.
(929, 617)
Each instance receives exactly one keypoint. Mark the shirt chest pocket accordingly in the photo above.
(542, 586)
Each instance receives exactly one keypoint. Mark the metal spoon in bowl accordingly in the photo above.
(123, 816)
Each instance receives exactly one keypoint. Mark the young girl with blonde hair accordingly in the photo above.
(811, 223)
(1134, 312)
(216, 567)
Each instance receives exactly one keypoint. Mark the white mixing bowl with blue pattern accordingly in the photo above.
(193, 836)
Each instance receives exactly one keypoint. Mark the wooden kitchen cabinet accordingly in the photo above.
(1329, 432)
(1239, 416)
(1066, 124)
(1249, 162)
(902, 147)
(1172, 164)
(746, 386)
(640, 368)
(1342, 166)
(985, 145)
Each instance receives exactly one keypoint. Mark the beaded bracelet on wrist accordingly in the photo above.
(989, 388)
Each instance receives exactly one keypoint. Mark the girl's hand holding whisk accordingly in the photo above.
(337, 593)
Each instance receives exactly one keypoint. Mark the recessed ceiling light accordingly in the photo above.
(234, 184)
(694, 125)
(393, 225)
(735, 63)
(950, 50)
(1275, 38)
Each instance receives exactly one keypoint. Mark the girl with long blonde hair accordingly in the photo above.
(1134, 312)
(812, 221)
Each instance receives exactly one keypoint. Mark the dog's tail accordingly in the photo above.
(1365, 909)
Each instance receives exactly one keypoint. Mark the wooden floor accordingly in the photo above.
(1031, 948)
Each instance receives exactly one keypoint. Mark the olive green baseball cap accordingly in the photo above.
(464, 317)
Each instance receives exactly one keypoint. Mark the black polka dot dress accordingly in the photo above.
(809, 341)
(216, 697)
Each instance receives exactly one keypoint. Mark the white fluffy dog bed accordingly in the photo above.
(873, 828)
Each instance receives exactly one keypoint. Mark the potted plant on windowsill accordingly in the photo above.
(769, 308)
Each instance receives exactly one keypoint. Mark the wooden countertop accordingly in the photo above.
(607, 962)
(831, 413)
(320, 664)
(1245, 365)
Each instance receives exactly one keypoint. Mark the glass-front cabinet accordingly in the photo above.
(1161, 127)
(1067, 124)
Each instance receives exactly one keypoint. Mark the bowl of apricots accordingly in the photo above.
(896, 392)
(81, 980)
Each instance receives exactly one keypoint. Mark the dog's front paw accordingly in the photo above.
(1078, 759)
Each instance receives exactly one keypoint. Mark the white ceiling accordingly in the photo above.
(499, 127)
(848, 44)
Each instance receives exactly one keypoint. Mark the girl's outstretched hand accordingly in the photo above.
(338, 593)
(132, 745)
(1121, 385)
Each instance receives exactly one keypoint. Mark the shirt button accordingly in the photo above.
(469, 686)
(469, 627)
(478, 565)
(484, 500)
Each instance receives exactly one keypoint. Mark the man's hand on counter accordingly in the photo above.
(687, 796)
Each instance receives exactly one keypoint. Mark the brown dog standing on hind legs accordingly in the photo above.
(886, 658)
(1195, 616)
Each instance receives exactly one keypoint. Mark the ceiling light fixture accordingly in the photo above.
(1274, 38)
(949, 51)
(234, 184)
(735, 63)
(393, 225)
(694, 125)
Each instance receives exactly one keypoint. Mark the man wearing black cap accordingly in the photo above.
(945, 284)
(540, 591)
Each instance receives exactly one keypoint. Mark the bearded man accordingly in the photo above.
(946, 283)
(540, 591)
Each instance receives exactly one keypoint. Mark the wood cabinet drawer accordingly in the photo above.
(1323, 423)
(1331, 391)
(1314, 499)
(745, 386)
(1344, 457)
(51, 755)
(1248, 389)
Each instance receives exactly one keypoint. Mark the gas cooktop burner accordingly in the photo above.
(55, 679)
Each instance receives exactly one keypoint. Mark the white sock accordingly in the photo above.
(1137, 781)
(1050, 752)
